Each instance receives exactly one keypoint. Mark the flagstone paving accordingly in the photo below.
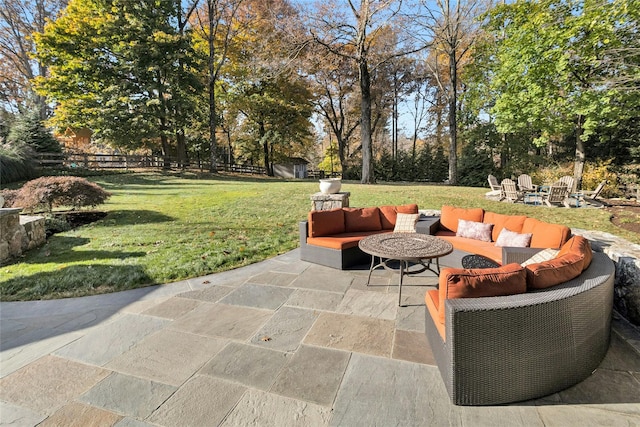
(278, 343)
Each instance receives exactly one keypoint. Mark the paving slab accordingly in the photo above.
(323, 279)
(49, 383)
(76, 414)
(222, 320)
(352, 333)
(202, 401)
(621, 356)
(14, 415)
(258, 296)
(132, 422)
(585, 416)
(411, 318)
(273, 278)
(376, 284)
(517, 415)
(210, 294)
(37, 343)
(313, 374)
(413, 347)
(607, 389)
(369, 304)
(127, 395)
(286, 329)
(247, 364)
(168, 356)
(102, 344)
(172, 308)
(315, 300)
(257, 408)
(384, 392)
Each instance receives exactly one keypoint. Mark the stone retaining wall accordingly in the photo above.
(626, 257)
(19, 233)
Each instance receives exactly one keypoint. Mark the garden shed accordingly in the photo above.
(292, 167)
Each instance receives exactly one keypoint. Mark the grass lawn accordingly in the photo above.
(162, 228)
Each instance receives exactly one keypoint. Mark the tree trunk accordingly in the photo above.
(181, 146)
(365, 123)
(453, 128)
(265, 149)
(578, 167)
(212, 82)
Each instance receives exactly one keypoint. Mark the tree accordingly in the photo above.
(19, 19)
(453, 30)
(29, 129)
(218, 25)
(550, 67)
(121, 67)
(353, 35)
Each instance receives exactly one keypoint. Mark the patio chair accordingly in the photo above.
(569, 181)
(558, 195)
(496, 189)
(493, 183)
(525, 184)
(590, 197)
(509, 191)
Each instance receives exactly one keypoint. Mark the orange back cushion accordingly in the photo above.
(580, 246)
(554, 272)
(499, 221)
(326, 223)
(510, 279)
(449, 216)
(545, 235)
(362, 219)
(388, 214)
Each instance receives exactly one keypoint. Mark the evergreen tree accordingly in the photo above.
(30, 130)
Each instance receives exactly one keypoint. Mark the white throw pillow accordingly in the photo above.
(474, 230)
(542, 256)
(406, 223)
(513, 239)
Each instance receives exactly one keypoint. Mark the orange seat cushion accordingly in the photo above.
(431, 300)
(554, 272)
(486, 249)
(361, 219)
(388, 214)
(341, 241)
(449, 216)
(578, 245)
(326, 223)
(544, 234)
(499, 221)
(510, 279)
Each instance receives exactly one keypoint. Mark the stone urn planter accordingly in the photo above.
(330, 185)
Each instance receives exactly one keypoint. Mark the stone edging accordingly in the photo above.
(626, 257)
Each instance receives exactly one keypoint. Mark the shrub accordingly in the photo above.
(30, 129)
(52, 191)
(16, 162)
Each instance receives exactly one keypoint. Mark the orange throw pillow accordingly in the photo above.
(578, 245)
(499, 221)
(388, 214)
(362, 219)
(449, 216)
(544, 234)
(326, 223)
(554, 272)
(510, 279)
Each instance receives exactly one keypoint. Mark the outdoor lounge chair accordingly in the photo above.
(590, 197)
(509, 191)
(496, 189)
(558, 195)
(569, 181)
(525, 184)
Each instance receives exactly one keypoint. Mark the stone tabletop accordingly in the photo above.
(405, 246)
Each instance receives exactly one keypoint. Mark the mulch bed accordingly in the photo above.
(624, 214)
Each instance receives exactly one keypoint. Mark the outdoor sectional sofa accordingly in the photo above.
(331, 237)
(513, 333)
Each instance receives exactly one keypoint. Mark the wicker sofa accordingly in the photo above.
(514, 333)
(331, 237)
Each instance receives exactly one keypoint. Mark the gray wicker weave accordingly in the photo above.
(341, 259)
(520, 347)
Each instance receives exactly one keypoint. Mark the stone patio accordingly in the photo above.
(278, 343)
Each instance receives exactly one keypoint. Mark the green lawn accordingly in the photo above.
(162, 228)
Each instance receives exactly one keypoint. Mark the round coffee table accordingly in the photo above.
(406, 248)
